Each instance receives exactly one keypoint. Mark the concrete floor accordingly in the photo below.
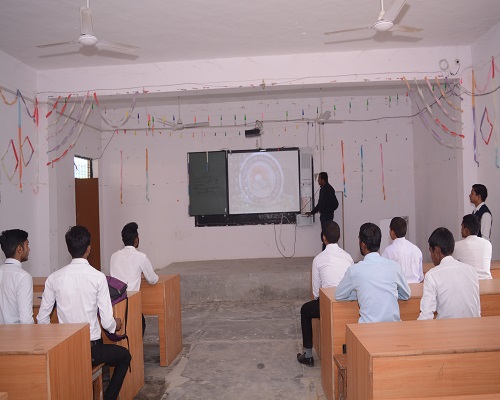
(233, 350)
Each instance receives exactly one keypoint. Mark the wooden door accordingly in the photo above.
(87, 214)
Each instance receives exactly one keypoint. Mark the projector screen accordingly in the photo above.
(264, 181)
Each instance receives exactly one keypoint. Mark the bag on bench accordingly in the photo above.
(118, 293)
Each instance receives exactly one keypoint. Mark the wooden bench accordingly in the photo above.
(97, 393)
(494, 268)
(411, 359)
(335, 315)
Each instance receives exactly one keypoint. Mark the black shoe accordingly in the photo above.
(309, 361)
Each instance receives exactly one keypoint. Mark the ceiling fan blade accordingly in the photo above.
(347, 30)
(197, 125)
(404, 28)
(42, 46)
(116, 46)
(393, 11)
(86, 21)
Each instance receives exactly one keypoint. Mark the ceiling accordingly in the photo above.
(174, 30)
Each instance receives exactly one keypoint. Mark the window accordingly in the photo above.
(83, 167)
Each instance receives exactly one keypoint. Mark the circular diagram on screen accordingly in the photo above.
(261, 179)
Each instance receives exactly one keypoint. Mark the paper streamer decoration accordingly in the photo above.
(147, 175)
(423, 119)
(439, 103)
(27, 139)
(446, 98)
(5, 99)
(485, 113)
(121, 176)
(11, 174)
(19, 134)
(382, 167)
(343, 167)
(118, 124)
(474, 117)
(53, 107)
(362, 173)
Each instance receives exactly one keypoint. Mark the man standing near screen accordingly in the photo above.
(327, 202)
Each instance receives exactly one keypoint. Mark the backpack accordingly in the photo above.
(118, 293)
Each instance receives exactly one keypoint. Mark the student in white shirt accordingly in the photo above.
(128, 263)
(16, 285)
(80, 291)
(328, 269)
(451, 288)
(474, 250)
(404, 252)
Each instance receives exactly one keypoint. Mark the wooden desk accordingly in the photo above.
(411, 359)
(134, 380)
(164, 300)
(37, 301)
(46, 362)
(335, 315)
(3, 396)
(494, 268)
(39, 283)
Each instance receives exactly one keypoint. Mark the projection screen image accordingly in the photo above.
(263, 182)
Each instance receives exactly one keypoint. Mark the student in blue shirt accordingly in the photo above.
(376, 282)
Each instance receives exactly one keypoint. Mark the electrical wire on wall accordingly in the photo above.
(281, 242)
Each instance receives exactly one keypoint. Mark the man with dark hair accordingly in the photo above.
(474, 250)
(80, 292)
(16, 285)
(128, 263)
(376, 282)
(404, 252)
(328, 269)
(327, 202)
(478, 196)
(451, 288)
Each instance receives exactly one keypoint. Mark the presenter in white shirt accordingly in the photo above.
(404, 252)
(16, 285)
(328, 269)
(80, 291)
(474, 250)
(451, 288)
(128, 264)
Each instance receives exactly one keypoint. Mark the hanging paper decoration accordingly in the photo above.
(147, 175)
(382, 168)
(423, 118)
(445, 97)
(5, 99)
(22, 151)
(121, 176)
(19, 134)
(485, 113)
(444, 110)
(343, 167)
(474, 118)
(53, 108)
(362, 173)
(12, 172)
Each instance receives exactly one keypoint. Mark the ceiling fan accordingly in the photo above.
(385, 21)
(87, 37)
(178, 125)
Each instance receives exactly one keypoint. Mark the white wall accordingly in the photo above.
(172, 237)
(488, 172)
(22, 208)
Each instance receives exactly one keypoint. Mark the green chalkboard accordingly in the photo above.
(207, 183)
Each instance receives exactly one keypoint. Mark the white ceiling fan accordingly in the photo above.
(87, 37)
(385, 21)
(179, 125)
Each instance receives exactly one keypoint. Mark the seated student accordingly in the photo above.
(128, 264)
(451, 288)
(80, 291)
(376, 282)
(16, 285)
(474, 250)
(328, 269)
(404, 252)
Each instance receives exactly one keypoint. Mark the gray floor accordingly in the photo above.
(233, 350)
